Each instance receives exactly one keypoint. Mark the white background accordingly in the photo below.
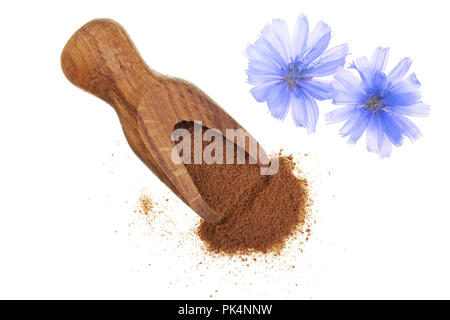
(69, 182)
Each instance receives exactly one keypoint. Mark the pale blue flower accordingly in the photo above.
(284, 70)
(377, 103)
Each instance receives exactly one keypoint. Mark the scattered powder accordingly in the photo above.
(145, 205)
(170, 230)
(261, 212)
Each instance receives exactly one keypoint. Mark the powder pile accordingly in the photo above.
(261, 212)
(145, 204)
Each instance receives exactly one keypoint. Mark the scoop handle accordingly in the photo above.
(101, 59)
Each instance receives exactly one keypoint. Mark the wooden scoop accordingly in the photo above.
(100, 58)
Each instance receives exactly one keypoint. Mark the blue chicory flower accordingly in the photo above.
(377, 103)
(284, 70)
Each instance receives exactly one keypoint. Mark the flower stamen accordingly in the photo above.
(294, 73)
(374, 104)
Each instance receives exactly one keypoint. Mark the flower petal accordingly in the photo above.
(336, 53)
(416, 110)
(362, 65)
(409, 129)
(379, 59)
(391, 128)
(329, 61)
(384, 144)
(261, 92)
(378, 82)
(277, 34)
(319, 89)
(317, 33)
(266, 51)
(407, 85)
(304, 111)
(313, 113)
(399, 72)
(346, 81)
(260, 72)
(298, 110)
(347, 88)
(372, 134)
(278, 101)
(376, 139)
(355, 126)
(258, 79)
(403, 99)
(317, 43)
(261, 67)
(341, 97)
(300, 37)
(339, 114)
(282, 32)
(254, 53)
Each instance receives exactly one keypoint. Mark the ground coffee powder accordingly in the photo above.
(261, 212)
(145, 204)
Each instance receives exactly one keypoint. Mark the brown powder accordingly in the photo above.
(261, 212)
(145, 204)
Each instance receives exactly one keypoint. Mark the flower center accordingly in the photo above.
(374, 104)
(294, 73)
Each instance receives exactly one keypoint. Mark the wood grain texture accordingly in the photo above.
(100, 58)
